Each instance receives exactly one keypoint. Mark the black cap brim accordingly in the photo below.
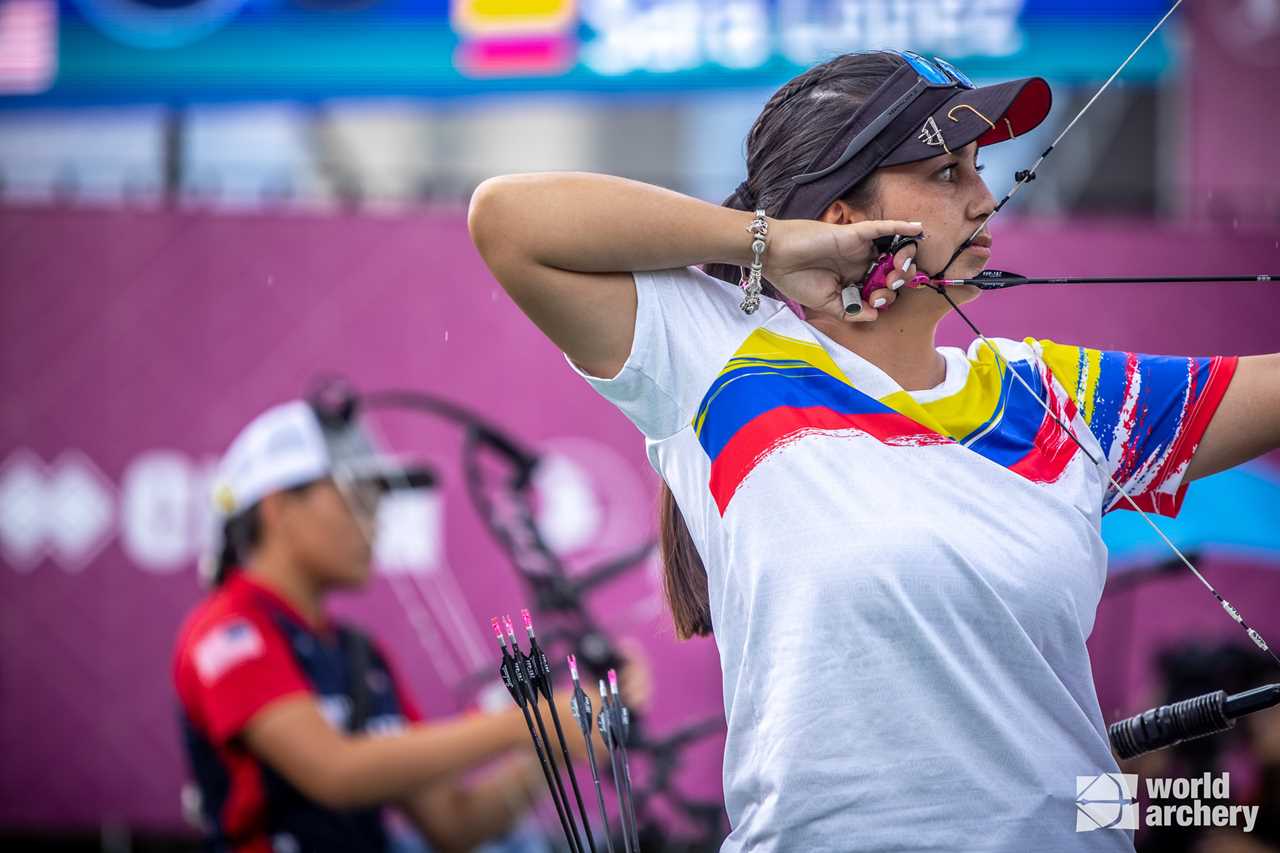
(988, 114)
(391, 474)
(408, 478)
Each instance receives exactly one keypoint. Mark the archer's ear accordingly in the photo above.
(271, 509)
(839, 212)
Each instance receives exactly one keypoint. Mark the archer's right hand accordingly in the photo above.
(811, 261)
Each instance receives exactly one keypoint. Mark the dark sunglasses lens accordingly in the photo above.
(363, 496)
(958, 75)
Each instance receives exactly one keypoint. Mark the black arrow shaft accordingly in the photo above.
(576, 840)
(573, 777)
(550, 776)
(1017, 281)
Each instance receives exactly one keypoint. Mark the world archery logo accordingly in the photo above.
(1106, 801)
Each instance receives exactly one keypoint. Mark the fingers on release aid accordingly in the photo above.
(894, 227)
(893, 267)
(904, 265)
(882, 298)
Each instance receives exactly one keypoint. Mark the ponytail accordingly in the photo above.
(240, 535)
(226, 561)
(684, 578)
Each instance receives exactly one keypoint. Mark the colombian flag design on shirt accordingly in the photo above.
(1142, 409)
(773, 391)
(1148, 413)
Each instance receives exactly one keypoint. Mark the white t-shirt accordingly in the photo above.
(901, 583)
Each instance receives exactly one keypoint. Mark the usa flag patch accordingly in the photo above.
(224, 647)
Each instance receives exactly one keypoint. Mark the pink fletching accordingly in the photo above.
(613, 681)
(573, 667)
(528, 620)
(506, 620)
(497, 629)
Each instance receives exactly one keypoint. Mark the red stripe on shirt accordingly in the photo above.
(1221, 371)
(766, 433)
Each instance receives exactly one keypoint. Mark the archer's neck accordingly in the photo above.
(900, 341)
(283, 576)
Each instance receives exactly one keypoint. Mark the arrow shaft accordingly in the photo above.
(1018, 281)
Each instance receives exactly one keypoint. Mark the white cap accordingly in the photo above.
(289, 446)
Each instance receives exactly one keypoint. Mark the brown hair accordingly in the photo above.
(241, 535)
(787, 135)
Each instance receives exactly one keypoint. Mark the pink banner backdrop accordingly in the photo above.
(1228, 124)
(136, 344)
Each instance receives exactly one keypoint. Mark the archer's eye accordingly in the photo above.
(949, 172)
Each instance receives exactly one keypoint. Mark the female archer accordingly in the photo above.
(299, 732)
(895, 544)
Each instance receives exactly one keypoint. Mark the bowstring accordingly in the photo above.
(1028, 175)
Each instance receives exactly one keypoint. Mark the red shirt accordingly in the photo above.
(232, 660)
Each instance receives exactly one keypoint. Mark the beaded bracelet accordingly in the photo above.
(750, 283)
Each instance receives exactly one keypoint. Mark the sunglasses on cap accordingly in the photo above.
(931, 74)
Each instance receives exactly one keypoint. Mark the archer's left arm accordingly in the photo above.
(1247, 422)
(457, 816)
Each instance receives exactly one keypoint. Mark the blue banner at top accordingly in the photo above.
(113, 51)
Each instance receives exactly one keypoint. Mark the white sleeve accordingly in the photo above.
(688, 324)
